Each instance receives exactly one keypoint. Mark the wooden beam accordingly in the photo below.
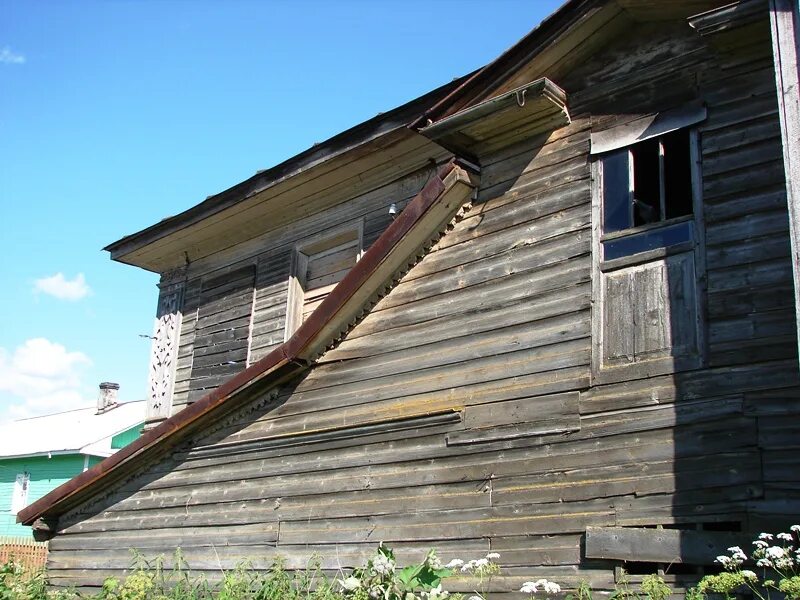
(635, 544)
(785, 24)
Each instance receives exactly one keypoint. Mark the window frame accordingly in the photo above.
(600, 372)
(20, 500)
(301, 253)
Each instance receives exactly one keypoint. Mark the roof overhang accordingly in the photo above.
(420, 223)
(359, 159)
(556, 46)
(733, 25)
(48, 454)
(532, 108)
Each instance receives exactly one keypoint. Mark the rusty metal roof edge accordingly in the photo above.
(284, 359)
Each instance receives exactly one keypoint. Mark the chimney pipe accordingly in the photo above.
(107, 398)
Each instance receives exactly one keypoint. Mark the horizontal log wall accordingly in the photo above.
(460, 413)
(257, 321)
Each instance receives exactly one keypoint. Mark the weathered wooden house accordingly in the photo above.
(574, 343)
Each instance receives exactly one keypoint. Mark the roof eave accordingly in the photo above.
(341, 144)
(476, 87)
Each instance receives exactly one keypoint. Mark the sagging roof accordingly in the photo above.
(80, 431)
(420, 222)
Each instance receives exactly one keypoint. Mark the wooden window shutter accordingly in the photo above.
(223, 330)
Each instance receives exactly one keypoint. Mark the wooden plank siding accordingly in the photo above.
(461, 412)
(270, 257)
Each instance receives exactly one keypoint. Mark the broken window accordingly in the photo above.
(647, 183)
(648, 257)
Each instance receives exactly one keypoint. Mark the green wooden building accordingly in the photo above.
(40, 453)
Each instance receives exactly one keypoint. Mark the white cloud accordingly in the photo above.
(11, 58)
(43, 377)
(62, 288)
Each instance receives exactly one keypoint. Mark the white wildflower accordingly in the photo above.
(749, 575)
(351, 583)
(529, 587)
(775, 552)
(456, 562)
(481, 562)
(795, 528)
(765, 536)
(764, 562)
(760, 544)
(382, 565)
(433, 561)
(436, 593)
(737, 555)
(475, 598)
(788, 537)
(493, 556)
(551, 587)
(723, 560)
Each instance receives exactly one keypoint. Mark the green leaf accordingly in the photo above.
(386, 551)
(428, 578)
(405, 574)
(444, 573)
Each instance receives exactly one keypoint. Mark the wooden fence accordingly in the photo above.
(26, 551)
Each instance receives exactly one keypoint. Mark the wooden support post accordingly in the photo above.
(785, 23)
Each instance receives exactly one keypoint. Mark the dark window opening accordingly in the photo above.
(648, 182)
(641, 568)
(677, 174)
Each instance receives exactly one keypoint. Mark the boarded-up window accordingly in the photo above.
(317, 267)
(648, 313)
(222, 331)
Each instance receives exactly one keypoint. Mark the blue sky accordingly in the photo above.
(114, 115)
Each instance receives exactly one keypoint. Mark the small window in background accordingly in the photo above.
(19, 499)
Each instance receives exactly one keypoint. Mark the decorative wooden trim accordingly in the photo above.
(164, 350)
